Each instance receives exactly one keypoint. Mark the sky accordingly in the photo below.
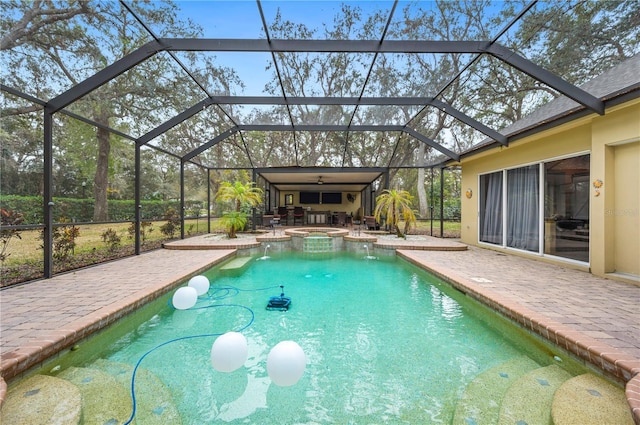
(241, 19)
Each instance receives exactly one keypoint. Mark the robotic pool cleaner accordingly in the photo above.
(279, 303)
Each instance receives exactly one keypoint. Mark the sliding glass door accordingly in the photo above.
(491, 208)
(523, 208)
(566, 209)
(513, 210)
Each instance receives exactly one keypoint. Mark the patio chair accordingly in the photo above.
(283, 213)
(341, 218)
(298, 215)
(370, 222)
(267, 221)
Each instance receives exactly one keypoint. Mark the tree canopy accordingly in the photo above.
(49, 47)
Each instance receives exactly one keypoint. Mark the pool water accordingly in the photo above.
(385, 343)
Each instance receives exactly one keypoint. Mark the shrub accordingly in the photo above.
(146, 227)
(64, 241)
(111, 238)
(173, 223)
(9, 218)
(81, 210)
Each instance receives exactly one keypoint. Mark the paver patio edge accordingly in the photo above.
(611, 361)
(44, 345)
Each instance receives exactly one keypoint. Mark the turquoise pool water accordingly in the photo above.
(385, 342)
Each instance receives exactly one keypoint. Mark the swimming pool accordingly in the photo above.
(385, 342)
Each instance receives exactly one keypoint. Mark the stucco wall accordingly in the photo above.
(346, 206)
(548, 145)
(615, 218)
(613, 140)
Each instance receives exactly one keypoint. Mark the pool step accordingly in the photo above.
(42, 400)
(104, 400)
(154, 401)
(529, 399)
(480, 403)
(236, 266)
(590, 400)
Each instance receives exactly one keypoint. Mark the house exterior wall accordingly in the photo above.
(616, 212)
(613, 141)
(346, 206)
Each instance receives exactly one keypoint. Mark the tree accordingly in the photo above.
(49, 46)
(21, 155)
(240, 194)
(310, 74)
(54, 46)
(395, 205)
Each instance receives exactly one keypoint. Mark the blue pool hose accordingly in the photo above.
(219, 293)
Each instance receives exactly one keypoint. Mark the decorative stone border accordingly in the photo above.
(302, 232)
(272, 238)
(612, 362)
(240, 245)
(632, 392)
(3, 391)
(361, 238)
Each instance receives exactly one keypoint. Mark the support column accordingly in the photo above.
(442, 202)
(181, 199)
(431, 202)
(47, 195)
(208, 200)
(137, 200)
(253, 209)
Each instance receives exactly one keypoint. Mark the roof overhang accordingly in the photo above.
(320, 178)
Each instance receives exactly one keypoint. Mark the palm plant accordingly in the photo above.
(238, 194)
(394, 206)
(233, 221)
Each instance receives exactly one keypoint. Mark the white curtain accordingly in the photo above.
(523, 208)
(491, 208)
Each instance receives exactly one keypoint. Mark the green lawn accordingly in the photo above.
(451, 228)
(25, 258)
(28, 248)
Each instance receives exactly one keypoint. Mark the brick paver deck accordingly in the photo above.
(41, 318)
(573, 308)
(607, 310)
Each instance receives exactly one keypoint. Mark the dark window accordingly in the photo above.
(309, 197)
(331, 197)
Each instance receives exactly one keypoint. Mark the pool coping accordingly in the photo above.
(611, 361)
(33, 353)
(204, 242)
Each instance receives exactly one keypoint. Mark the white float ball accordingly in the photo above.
(185, 298)
(286, 363)
(229, 352)
(201, 283)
